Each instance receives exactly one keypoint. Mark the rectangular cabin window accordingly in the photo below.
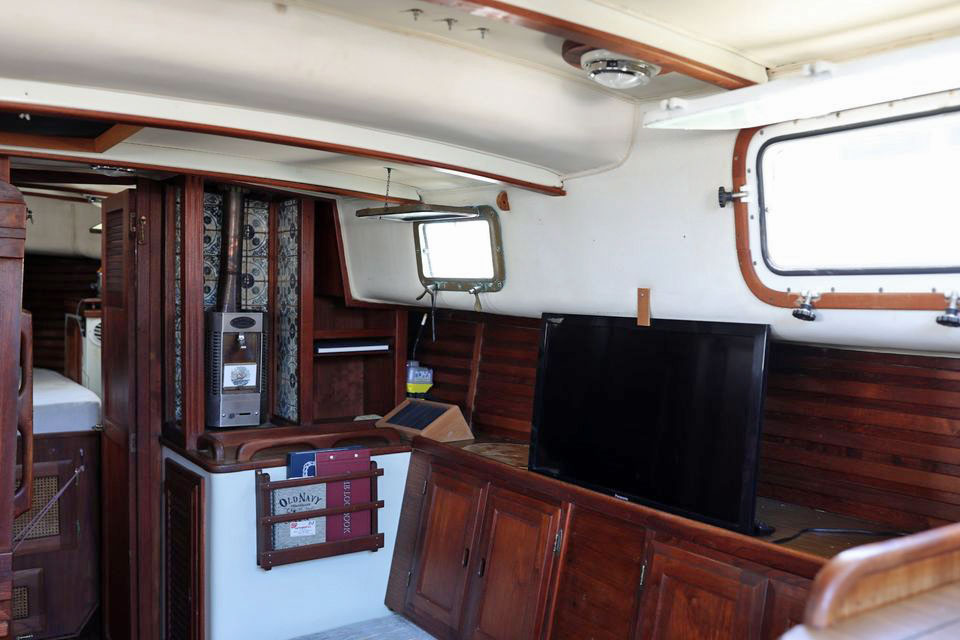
(877, 197)
(460, 255)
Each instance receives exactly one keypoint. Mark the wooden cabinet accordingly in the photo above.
(483, 563)
(598, 591)
(448, 526)
(688, 595)
(786, 602)
(512, 566)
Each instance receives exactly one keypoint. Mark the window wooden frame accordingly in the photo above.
(918, 301)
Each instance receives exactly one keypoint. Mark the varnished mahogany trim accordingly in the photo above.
(308, 208)
(920, 301)
(595, 38)
(293, 141)
(4, 169)
(113, 136)
(873, 575)
(191, 272)
(222, 177)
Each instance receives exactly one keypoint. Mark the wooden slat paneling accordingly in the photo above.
(51, 286)
(870, 435)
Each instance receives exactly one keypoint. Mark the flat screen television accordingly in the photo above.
(667, 415)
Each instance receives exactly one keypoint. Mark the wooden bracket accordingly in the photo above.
(643, 307)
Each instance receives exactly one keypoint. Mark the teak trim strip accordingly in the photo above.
(912, 301)
(274, 138)
(583, 34)
(104, 142)
(874, 575)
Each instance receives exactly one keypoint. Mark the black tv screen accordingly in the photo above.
(667, 415)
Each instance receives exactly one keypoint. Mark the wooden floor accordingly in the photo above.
(391, 627)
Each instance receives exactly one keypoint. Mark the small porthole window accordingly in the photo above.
(461, 255)
(871, 198)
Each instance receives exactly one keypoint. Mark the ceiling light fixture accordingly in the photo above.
(950, 316)
(419, 212)
(615, 71)
(113, 172)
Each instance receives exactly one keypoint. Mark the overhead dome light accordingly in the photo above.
(615, 71)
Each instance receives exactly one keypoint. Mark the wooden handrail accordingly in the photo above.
(874, 575)
(248, 449)
(321, 513)
(304, 482)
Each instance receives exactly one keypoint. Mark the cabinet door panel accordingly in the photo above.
(512, 567)
(599, 582)
(694, 597)
(786, 603)
(446, 536)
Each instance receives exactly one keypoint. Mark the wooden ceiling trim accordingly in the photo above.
(596, 38)
(225, 177)
(912, 301)
(273, 138)
(56, 187)
(61, 143)
(54, 196)
(114, 136)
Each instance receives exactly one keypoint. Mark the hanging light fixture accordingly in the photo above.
(615, 71)
(418, 212)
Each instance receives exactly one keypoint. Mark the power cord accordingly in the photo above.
(827, 530)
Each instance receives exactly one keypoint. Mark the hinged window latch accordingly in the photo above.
(643, 573)
(724, 196)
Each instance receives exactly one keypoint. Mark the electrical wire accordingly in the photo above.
(828, 530)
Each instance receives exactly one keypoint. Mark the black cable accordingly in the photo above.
(827, 530)
(416, 342)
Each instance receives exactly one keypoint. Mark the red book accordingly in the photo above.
(357, 523)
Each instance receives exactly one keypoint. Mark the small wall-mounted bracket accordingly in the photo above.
(724, 196)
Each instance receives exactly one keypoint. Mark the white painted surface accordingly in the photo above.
(62, 228)
(244, 602)
(653, 222)
(328, 72)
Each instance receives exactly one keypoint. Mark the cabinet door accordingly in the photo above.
(598, 591)
(692, 596)
(786, 603)
(511, 570)
(447, 528)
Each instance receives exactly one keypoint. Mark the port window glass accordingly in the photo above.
(461, 255)
(873, 198)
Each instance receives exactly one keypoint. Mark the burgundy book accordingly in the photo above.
(357, 523)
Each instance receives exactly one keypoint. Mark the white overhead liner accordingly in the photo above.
(292, 71)
(822, 88)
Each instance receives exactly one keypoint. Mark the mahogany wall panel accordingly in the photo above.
(864, 434)
(51, 285)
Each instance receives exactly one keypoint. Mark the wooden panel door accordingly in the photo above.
(694, 597)
(118, 444)
(511, 570)
(447, 532)
(598, 592)
(13, 212)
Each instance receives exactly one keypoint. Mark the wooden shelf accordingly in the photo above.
(346, 334)
(345, 354)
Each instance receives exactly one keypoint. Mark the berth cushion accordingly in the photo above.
(60, 404)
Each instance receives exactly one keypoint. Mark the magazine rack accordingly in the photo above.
(268, 557)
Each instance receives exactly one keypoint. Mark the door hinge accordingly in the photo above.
(133, 224)
(132, 439)
(558, 541)
(423, 491)
(142, 227)
(643, 573)
(409, 577)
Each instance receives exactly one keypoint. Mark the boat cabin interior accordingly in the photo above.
(501, 320)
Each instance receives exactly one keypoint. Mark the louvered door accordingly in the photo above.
(183, 553)
(118, 444)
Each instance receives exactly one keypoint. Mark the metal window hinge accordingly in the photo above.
(132, 439)
(643, 573)
(423, 491)
(409, 577)
(558, 541)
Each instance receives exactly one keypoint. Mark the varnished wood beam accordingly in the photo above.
(588, 35)
(4, 169)
(114, 136)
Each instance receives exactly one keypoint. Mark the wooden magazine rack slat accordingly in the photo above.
(268, 557)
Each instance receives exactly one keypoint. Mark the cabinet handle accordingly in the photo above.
(466, 556)
(483, 566)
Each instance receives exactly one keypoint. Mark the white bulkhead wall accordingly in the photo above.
(652, 222)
